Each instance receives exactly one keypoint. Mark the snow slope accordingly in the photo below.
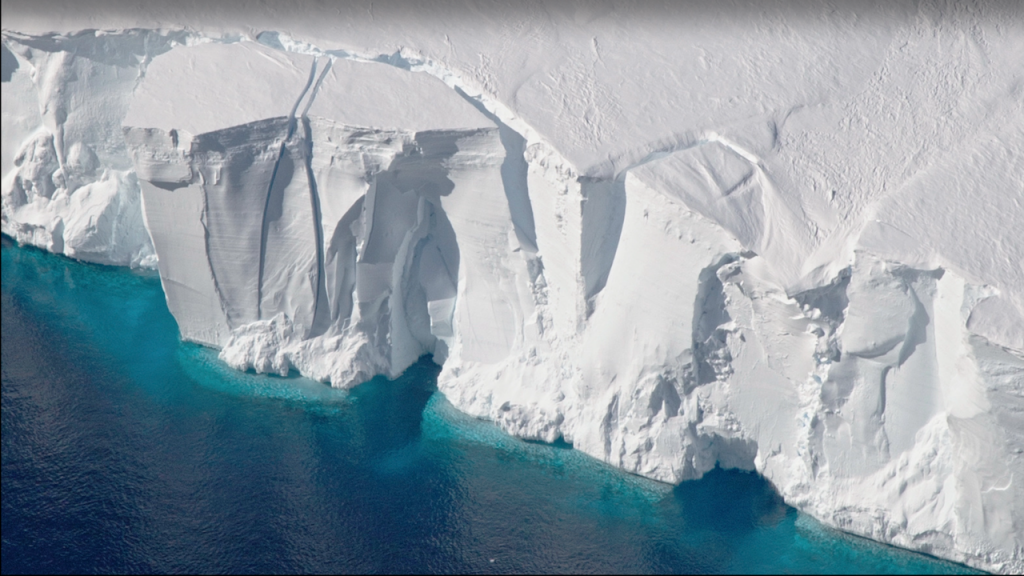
(773, 236)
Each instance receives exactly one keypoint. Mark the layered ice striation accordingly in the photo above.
(714, 298)
(340, 220)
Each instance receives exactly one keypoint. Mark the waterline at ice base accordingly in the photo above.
(776, 238)
(126, 450)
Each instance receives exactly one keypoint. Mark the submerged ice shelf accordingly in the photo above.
(823, 291)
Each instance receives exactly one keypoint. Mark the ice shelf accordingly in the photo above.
(673, 242)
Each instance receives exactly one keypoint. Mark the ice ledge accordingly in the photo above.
(681, 313)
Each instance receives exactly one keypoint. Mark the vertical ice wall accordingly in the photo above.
(216, 157)
(342, 218)
(348, 217)
(69, 186)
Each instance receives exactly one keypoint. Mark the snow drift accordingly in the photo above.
(809, 272)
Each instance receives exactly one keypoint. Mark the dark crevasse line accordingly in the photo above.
(264, 231)
(316, 87)
(204, 220)
(514, 168)
(270, 190)
(305, 90)
(321, 309)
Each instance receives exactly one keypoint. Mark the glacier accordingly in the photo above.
(779, 238)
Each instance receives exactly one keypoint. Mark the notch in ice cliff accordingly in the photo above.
(341, 215)
(327, 206)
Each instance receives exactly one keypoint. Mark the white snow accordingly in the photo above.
(779, 237)
(68, 183)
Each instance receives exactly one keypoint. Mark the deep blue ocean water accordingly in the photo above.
(125, 450)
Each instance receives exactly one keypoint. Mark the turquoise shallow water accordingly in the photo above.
(124, 449)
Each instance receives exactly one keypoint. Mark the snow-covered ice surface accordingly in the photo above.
(774, 236)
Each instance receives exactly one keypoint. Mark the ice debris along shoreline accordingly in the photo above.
(316, 210)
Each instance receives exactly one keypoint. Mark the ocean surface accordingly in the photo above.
(126, 450)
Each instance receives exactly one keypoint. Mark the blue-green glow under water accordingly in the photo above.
(125, 450)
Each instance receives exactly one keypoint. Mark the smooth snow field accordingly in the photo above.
(126, 450)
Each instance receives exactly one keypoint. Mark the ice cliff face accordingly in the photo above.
(826, 288)
(331, 220)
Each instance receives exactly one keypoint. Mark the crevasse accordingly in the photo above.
(342, 215)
